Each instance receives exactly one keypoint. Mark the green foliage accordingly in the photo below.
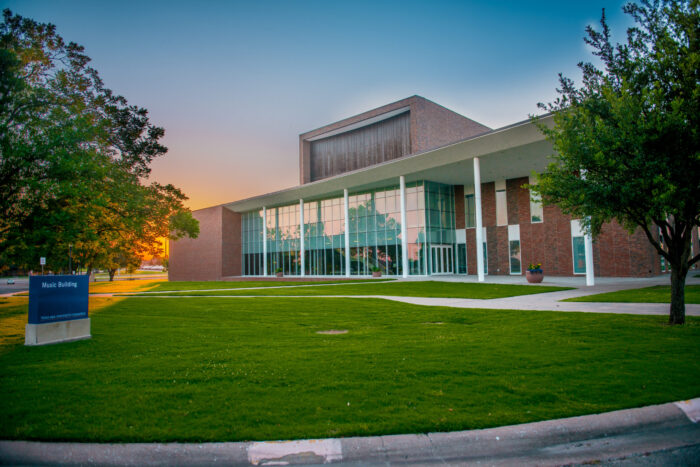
(209, 369)
(74, 158)
(628, 142)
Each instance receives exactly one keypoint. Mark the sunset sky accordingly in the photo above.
(235, 83)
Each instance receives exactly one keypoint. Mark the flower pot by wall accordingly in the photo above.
(376, 273)
(534, 277)
(279, 274)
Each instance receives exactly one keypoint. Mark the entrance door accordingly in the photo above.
(442, 259)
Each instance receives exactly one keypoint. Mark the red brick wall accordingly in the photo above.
(433, 125)
(696, 248)
(231, 253)
(615, 252)
(619, 254)
(459, 207)
(471, 251)
(198, 258)
(215, 253)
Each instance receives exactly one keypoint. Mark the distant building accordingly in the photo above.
(399, 188)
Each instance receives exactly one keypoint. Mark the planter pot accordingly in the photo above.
(279, 274)
(376, 273)
(534, 277)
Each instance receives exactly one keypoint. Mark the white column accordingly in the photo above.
(404, 243)
(588, 247)
(301, 230)
(347, 233)
(479, 223)
(264, 235)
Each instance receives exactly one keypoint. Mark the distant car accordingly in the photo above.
(10, 281)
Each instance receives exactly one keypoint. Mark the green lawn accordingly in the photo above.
(208, 369)
(206, 285)
(655, 294)
(397, 288)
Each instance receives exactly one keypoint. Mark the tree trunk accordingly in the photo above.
(678, 274)
(114, 271)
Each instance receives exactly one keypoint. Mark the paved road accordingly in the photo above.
(665, 434)
(20, 285)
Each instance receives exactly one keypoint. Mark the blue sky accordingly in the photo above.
(235, 83)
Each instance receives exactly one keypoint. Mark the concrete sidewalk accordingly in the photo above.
(543, 301)
(537, 302)
(666, 434)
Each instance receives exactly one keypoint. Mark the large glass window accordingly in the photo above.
(536, 210)
(470, 211)
(251, 242)
(461, 258)
(375, 235)
(579, 251)
(515, 265)
(439, 214)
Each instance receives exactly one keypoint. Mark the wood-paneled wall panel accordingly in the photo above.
(370, 145)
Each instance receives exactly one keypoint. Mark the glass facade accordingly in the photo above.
(324, 237)
(374, 226)
(469, 211)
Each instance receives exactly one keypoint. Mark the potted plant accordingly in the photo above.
(279, 273)
(534, 273)
(376, 272)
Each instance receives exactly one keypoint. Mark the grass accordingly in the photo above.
(207, 369)
(105, 275)
(655, 294)
(13, 318)
(206, 285)
(404, 289)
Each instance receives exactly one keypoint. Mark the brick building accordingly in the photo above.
(420, 187)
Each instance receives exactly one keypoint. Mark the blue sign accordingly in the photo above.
(57, 298)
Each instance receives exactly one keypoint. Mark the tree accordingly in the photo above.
(627, 141)
(74, 159)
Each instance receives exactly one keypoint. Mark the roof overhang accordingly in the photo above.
(509, 152)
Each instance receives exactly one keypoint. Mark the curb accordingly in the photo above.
(623, 435)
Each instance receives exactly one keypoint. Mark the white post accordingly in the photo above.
(479, 223)
(301, 230)
(588, 248)
(588, 245)
(264, 235)
(347, 233)
(404, 243)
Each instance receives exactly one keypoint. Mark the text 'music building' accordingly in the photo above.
(413, 189)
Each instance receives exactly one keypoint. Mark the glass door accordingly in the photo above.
(442, 259)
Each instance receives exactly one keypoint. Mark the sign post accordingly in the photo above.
(58, 310)
(42, 261)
